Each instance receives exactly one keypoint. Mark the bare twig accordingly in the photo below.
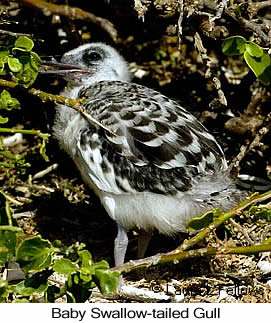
(220, 9)
(142, 295)
(249, 25)
(73, 13)
(11, 199)
(234, 166)
(180, 21)
(234, 12)
(45, 171)
(183, 255)
(209, 71)
(13, 34)
(260, 5)
(251, 120)
(242, 230)
(26, 214)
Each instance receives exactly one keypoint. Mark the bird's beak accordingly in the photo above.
(56, 68)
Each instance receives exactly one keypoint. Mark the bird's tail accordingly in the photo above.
(218, 190)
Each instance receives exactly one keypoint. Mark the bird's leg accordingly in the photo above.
(143, 242)
(120, 245)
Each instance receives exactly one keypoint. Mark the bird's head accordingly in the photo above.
(90, 63)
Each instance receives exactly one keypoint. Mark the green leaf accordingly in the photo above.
(203, 221)
(24, 43)
(86, 273)
(77, 290)
(265, 77)
(257, 64)
(4, 53)
(2, 119)
(38, 283)
(234, 45)
(57, 243)
(27, 75)
(64, 266)
(4, 290)
(85, 257)
(52, 293)
(3, 70)
(261, 66)
(106, 280)
(7, 102)
(254, 49)
(101, 265)
(35, 61)
(8, 241)
(87, 268)
(265, 213)
(35, 254)
(14, 64)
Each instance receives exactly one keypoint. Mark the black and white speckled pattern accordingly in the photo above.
(162, 167)
(160, 148)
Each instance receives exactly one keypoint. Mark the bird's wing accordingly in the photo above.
(152, 129)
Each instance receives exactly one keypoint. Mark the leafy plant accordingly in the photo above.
(39, 259)
(261, 213)
(198, 223)
(21, 64)
(256, 57)
(7, 102)
(20, 61)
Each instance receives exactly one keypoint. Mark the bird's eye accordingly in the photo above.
(92, 57)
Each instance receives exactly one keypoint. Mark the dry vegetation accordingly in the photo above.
(175, 47)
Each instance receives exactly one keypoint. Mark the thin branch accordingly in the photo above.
(48, 97)
(260, 5)
(11, 199)
(10, 33)
(234, 167)
(72, 13)
(25, 132)
(181, 256)
(249, 25)
(45, 171)
(180, 22)
(188, 244)
(209, 73)
(233, 11)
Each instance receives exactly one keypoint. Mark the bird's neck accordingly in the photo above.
(71, 91)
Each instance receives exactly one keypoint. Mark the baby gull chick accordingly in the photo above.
(161, 168)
